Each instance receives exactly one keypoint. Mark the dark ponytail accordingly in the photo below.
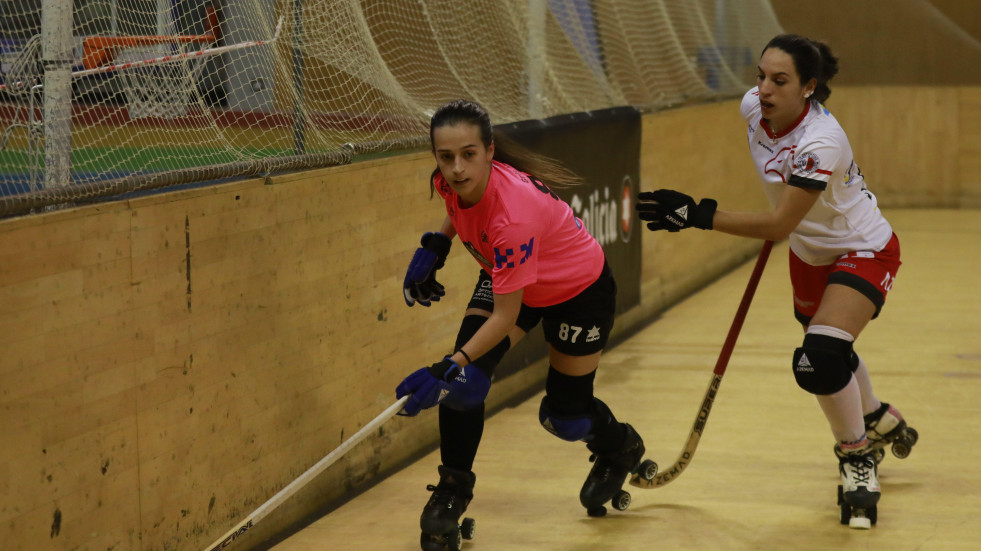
(506, 150)
(812, 59)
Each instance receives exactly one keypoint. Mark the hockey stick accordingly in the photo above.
(303, 479)
(685, 458)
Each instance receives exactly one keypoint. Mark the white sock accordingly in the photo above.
(870, 402)
(843, 409)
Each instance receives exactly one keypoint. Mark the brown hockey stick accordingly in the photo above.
(685, 458)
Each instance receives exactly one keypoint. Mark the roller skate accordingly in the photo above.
(440, 520)
(886, 426)
(610, 471)
(859, 491)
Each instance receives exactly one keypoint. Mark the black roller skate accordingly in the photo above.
(440, 520)
(610, 471)
(886, 426)
(859, 491)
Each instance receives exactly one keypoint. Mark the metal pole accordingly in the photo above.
(299, 118)
(56, 56)
(535, 57)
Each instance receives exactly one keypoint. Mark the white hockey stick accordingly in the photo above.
(303, 479)
(685, 458)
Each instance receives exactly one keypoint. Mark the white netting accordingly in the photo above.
(364, 72)
(162, 90)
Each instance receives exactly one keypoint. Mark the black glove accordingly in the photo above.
(671, 210)
(420, 283)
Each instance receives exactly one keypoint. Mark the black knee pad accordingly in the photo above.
(570, 426)
(489, 361)
(567, 410)
(823, 365)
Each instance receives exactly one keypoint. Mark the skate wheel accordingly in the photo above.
(455, 540)
(648, 470)
(900, 449)
(467, 528)
(596, 511)
(621, 500)
(904, 444)
(860, 522)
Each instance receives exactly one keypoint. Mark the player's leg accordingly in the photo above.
(577, 331)
(870, 275)
(461, 426)
(824, 365)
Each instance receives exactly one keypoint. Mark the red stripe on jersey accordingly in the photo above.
(827, 172)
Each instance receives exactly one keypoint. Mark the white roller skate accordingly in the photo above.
(886, 426)
(859, 491)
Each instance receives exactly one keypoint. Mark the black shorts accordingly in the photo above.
(579, 326)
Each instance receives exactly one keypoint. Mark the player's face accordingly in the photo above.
(463, 160)
(782, 97)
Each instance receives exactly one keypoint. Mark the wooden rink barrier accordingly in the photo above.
(170, 362)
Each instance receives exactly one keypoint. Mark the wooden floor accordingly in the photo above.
(764, 476)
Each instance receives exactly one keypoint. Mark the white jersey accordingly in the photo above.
(814, 153)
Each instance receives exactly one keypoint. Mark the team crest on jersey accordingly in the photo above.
(807, 163)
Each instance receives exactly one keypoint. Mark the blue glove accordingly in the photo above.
(420, 283)
(427, 386)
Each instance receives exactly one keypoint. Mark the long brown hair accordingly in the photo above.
(506, 150)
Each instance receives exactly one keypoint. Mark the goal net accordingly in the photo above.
(182, 91)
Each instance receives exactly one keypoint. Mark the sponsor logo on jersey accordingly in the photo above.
(807, 163)
(764, 146)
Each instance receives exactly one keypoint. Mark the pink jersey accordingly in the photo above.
(525, 237)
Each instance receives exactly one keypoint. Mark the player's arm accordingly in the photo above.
(671, 210)
(447, 228)
(446, 379)
(775, 225)
(502, 319)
